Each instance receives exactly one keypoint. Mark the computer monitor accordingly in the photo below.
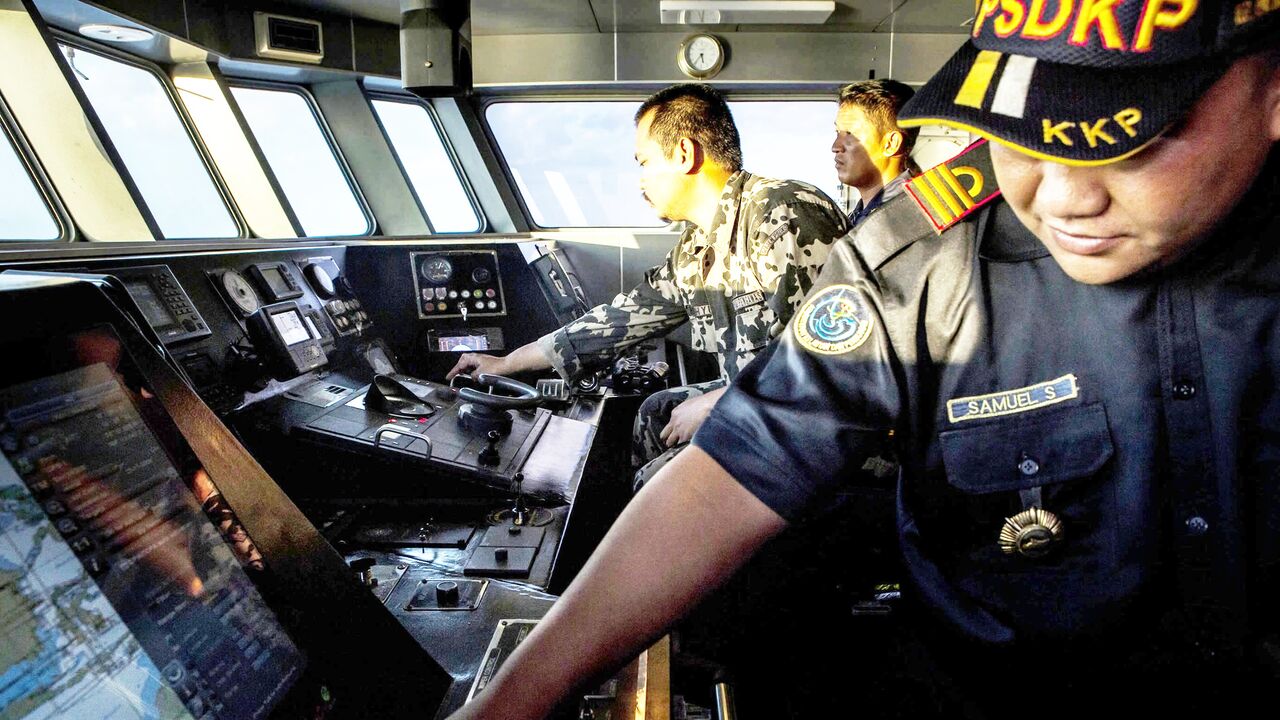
(118, 593)
(129, 585)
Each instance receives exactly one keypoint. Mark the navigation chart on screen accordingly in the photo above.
(118, 598)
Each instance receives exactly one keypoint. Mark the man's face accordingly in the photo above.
(1106, 223)
(662, 179)
(857, 148)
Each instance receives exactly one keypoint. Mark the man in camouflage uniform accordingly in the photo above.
(750, 251)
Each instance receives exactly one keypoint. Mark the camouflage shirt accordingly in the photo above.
(737, 283)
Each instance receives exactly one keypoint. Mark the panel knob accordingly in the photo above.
(447, 594)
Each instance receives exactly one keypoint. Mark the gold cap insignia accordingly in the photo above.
(955, 189)
(1030, 533)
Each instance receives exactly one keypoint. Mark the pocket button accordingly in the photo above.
(1028, 465)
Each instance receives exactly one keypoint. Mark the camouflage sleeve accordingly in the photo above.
(796, 238)
(652, 309)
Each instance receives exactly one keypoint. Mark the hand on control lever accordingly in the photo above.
(473, 364)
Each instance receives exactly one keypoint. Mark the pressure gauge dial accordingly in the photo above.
(437, 270)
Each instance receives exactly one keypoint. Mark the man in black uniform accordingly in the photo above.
(1082, 377)
(872, 152)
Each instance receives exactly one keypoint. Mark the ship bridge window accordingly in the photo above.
(24, 214)
(301, 153)
(140, 117)
(574, 165)
(416, 139)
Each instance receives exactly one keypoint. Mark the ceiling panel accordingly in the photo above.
(531, 17)
(929, 16)
(387, 11)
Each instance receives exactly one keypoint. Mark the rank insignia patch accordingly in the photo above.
(950, 192)
(1007, 402)
(833, 322)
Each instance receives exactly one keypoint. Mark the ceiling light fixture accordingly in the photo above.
(116, 33)
(745, 12)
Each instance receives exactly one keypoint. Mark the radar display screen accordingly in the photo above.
(119, 598)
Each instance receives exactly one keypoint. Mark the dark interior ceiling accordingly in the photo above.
(523, 17)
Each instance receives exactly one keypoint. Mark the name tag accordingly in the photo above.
(1007, 402)
(700, 311)
(747, 300)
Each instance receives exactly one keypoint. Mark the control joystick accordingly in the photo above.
(520, 514)
(481, 412)
(489, 455)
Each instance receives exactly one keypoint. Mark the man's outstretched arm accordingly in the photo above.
(689, 529)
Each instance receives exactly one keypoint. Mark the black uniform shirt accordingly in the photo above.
(1144, 414)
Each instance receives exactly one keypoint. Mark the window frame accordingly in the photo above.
(10, 129)
(730, 96)
(371, 222)
(166, 83)
(482, 220)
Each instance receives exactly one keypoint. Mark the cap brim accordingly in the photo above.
(1066, 113)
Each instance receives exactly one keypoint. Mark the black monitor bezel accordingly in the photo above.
(374, 667)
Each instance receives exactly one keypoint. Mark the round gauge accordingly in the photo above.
(701, 56)
(321, 281)
(239, 292)
(481, 275)
(437, 270)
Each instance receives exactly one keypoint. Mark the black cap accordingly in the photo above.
(1087, 82)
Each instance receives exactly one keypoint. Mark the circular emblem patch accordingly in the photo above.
(833, 322)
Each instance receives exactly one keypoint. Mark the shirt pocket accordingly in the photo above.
(1063, 452)
(753, 321)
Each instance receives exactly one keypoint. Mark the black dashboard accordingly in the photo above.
(458, 508)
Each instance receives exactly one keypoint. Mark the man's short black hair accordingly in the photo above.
(881, 100)
(698, 112)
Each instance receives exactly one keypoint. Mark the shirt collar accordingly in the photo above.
(888, 192)
(725, 220)
(1005, 238)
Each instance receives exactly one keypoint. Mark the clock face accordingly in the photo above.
(701, 56)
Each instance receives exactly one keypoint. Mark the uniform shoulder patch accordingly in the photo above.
(833, 322)
(950, 192)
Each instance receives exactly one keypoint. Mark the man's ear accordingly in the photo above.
(689, 155)
(892, 143)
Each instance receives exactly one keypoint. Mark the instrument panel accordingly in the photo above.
(457, 284)
(344, 309)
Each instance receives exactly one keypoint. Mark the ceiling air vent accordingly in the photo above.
(287, 38)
